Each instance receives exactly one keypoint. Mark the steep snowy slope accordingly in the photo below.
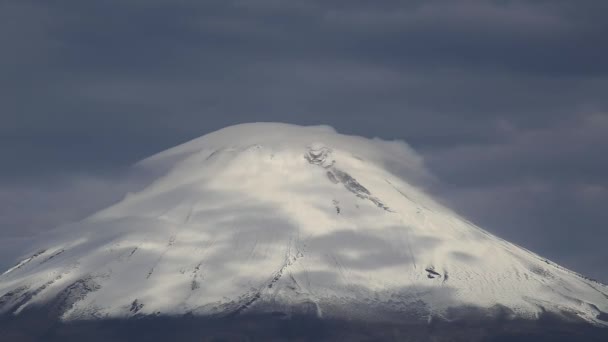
(288, 219)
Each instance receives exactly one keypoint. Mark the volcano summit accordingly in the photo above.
(275, 224)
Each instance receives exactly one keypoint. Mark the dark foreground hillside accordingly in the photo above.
(274, 327)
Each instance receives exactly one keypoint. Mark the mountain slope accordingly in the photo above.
(288, 220)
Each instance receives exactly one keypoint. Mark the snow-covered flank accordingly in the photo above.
(281, 218)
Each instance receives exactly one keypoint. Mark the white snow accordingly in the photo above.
(260, 215)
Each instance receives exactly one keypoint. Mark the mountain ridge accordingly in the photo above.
(290, 221)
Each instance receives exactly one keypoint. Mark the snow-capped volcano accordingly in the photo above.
(282, 219)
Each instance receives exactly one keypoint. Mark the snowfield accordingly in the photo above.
(287, 220)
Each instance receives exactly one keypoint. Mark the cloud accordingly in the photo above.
(569, 150)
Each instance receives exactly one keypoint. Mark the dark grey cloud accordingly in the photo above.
(506, 100)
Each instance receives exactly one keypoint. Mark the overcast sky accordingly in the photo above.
(507, 101)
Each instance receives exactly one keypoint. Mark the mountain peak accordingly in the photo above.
(267, 218)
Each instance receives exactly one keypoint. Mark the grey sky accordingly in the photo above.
(506, 100)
